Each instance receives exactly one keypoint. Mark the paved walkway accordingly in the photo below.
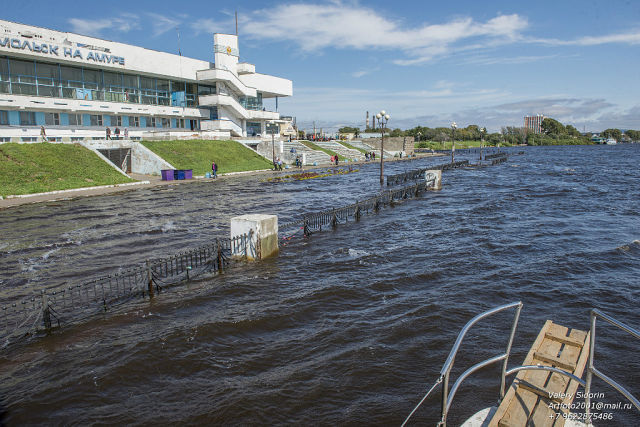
(147, 181)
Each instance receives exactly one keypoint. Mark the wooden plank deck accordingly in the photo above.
(527, 401)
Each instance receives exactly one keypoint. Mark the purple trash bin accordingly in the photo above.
(167, 174)
(188, 174)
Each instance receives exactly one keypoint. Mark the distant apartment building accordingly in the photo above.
(534, 123)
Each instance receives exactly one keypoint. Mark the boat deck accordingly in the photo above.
(540, 398)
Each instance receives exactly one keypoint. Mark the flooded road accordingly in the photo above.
(348, 327)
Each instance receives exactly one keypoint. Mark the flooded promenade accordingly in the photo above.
(349, 326)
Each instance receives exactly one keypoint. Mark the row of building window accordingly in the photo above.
(33, 118)
(35, 78)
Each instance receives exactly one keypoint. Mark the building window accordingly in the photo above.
(166, 122)
(116, 120)
(252, 102)
(151, 122)
(29, 139)
(95, 119)
(48, 79)
(27, 118)
(4, 118)
(206, 90)
(53, 80)
(134, 121)
(52, 119)
(23, 77)
(75, 119)
(254, 128)
(180, 123)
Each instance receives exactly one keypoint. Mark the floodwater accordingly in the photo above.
(348, 327)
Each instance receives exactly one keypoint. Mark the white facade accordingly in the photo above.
(76, 86)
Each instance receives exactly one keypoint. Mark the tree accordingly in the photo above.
(572, 131)
(397, 132)
(348, 129)
(553, 127)
(634, 135)
(612, 133)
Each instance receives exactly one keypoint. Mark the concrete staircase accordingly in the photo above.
(312, 156)
(365, 146)
(349, 153)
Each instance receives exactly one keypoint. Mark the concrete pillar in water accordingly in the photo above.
(263, 236)
(436, 176)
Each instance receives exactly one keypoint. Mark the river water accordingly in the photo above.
(348, 327)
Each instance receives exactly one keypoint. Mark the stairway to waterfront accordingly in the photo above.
(349, 153)
(312, 156)
(369, 148)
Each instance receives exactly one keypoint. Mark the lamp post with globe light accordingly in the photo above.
(453, 140)
(382, 118)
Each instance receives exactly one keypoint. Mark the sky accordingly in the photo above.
(427, 63)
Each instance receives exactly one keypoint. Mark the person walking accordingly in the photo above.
(126, 133)
(214, 169)
(43, 134)
(108, 132)
(117, 132)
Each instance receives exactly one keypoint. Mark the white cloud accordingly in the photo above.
(337, 25)
(486, 60)
(93, 27)
(631, 38)
(205, 25)
(161, 24)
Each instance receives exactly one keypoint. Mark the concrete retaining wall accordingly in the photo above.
(394, 144)
(143, 160)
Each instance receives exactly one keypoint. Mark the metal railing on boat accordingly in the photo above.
(447, 396)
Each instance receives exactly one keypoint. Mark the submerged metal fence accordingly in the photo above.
(495, 156)
(312, 222)
(419, 173)
(69, 304)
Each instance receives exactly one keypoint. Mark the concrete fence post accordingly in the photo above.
(263, 235)
(46, 313)
(434, 175)
(149, 279)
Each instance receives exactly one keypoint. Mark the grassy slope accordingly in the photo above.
(41, 167)
(324, 150)
(346, 144)
(459, 144)
(230, 156)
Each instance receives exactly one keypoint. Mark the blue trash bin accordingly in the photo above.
(181, 174)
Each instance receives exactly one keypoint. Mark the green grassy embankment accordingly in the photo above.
(324, 150)
(346, 144)
(42, 167)
(433, 145)
(230, 156)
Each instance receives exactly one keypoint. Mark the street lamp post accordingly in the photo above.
(483, 131)
(453, 140)
(382, 118)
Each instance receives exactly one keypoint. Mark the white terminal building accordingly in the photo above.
(76, 86)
